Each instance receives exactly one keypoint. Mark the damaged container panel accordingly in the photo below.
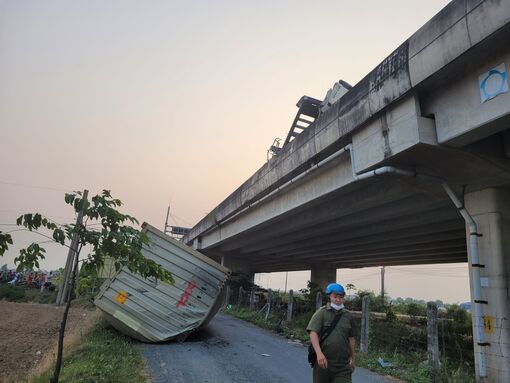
(155, 311)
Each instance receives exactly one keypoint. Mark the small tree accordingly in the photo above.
(350, 287)
(105, 231)
(310, 294)
(87, 283)
(376, 303)
(5, 241)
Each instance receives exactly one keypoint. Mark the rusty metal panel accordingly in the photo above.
(154, 311)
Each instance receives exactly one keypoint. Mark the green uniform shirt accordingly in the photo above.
(336, 348)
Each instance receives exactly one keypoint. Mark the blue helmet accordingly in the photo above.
(335, 288)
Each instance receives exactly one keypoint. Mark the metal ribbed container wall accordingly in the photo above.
(153, 311)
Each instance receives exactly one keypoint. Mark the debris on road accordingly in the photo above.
(384, 363)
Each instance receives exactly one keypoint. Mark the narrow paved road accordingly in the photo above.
(229, 350)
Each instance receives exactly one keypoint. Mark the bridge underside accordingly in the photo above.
(392, 222)
(384, 220)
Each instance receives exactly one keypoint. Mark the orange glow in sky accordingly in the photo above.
(171, 102)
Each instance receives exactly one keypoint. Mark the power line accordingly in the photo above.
(427, 268)
(439, 270)
(364, 276)
(35, 186)
(175, 217)
(437, 273)
(46, 216)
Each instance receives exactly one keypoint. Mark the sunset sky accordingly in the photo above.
(176, 103)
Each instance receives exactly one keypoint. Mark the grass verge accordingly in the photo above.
(102, 355)
(413, 367)
(22, 294)
(276, 323)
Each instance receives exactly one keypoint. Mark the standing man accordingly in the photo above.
(336, 354)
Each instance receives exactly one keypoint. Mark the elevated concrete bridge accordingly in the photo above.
(367, 182)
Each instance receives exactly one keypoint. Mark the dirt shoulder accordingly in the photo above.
(29, 335)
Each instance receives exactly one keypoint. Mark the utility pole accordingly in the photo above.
(176, 232)
(166, 220)
(286, 277)
(73, 250)
(382, 283)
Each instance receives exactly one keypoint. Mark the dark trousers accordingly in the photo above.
(332, 375)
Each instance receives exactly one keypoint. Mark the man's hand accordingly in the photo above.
(352, 364)
(352, 360)
(322, 361)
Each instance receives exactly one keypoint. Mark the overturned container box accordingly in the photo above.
(155, 311)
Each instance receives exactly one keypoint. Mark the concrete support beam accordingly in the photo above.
(398, 129)
(461, 118)
(323, 276)
(197, 243)
(238, 266)
(490, 208)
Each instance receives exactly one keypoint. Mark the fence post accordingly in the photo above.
(252, 299)
(240, 298)
(432, 336)
(318, 300)
(227, 296)
(290, 306)
(268, 303)
(442, 338)
(365, 325)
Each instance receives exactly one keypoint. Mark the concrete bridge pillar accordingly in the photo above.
(322, 276)
(490, 208)
(236, 266)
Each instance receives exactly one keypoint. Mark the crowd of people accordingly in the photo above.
(31, 279)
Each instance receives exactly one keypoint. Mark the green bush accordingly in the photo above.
(238, 279)
(413, 309)
(88, 286)
(413, 367)
(396, 336)
(309, 294)
(88, 283)
(12, 293)
(22, 294)
(376, 302)
(458, 334)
